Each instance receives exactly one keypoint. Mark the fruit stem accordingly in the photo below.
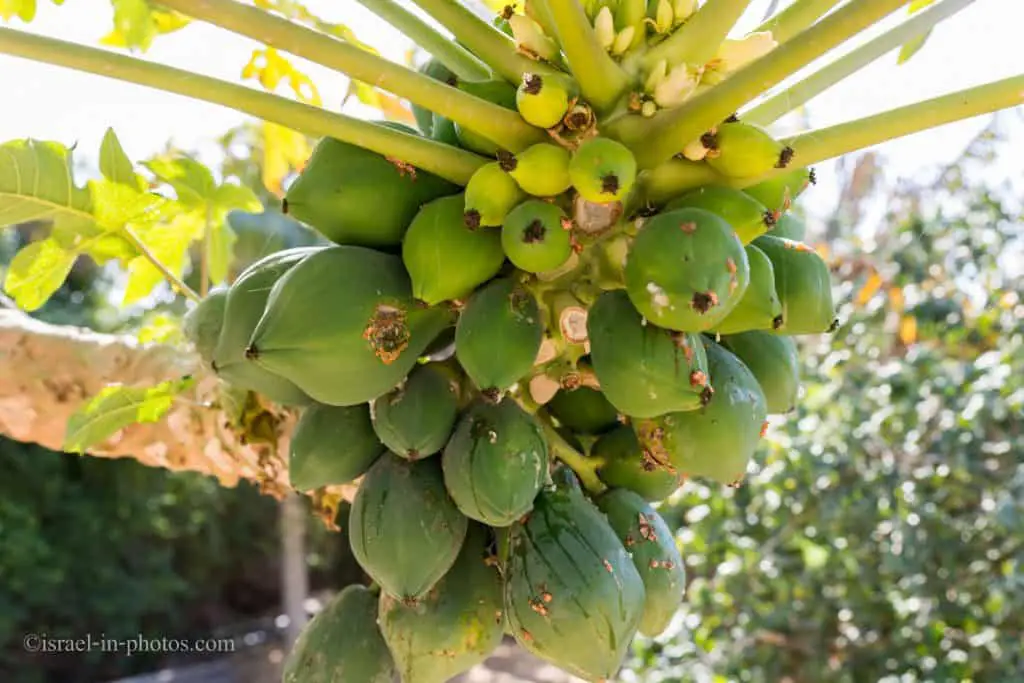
(813, 146)
(697, 40)
(455, 58)
(656, 140)
(584, 467)
(798, 94)
(448, 162)
(796, 18)
(492, 46)
(172, 279)
(502, 126)
(601, 80)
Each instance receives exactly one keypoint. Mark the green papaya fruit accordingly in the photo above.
(404, 529)
(686, 270)
(498, 335)
(602, 170)
(744, 150)
(415, 419)
(331, 445)
(202, 324)
(341, 643)
(490, 195)
(572, 594)
(583, 410)
(653, 548)
(455, 625)
(495, 463)
(747, 216)
(535, 238)
(780, 191)
(760, 308)
(541, 170)
(773, 360)
(718, 440)
(790, 227)
(496, 91)
(625, 464)
(803, 285)
(243, 309)
(354, 196)
(343, 326)
(541, 100)
(439, 72)
(644, 370)
(445, 258)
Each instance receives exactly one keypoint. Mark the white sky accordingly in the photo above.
(981, 43)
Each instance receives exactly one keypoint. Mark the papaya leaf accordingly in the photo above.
(911, 47)
(115, 164)
(37, 183)
(168, 243)
(23, 9)
(117, 407)
(284, 150)
(137, 24)
(191, 180)
(160, 328)
(270, 68)
(36, 272)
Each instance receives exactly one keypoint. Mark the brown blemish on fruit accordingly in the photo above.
(610, 184)
(635, 102)
(388, 333)
(534, 232)
(647, 531)
(777, 322)
(507, 12)
(507, 161)
(629, 542)
(538, 607)
(525, 635)
(404, 168)
(785, 156)
(764, 428)
(702, 302)
(730, 265)
(698, 378)
(770, 218)
(579, 117)
(608, 566)
(491, 394)
(547, 597)
(681, 342)
(491, 561)
(706, 395)
(471, 219)
(566, 223)
(532, 84)
(689, 227)
(570, 381)
(251, 352)
(710, 141)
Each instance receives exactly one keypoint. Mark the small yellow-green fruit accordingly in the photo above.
(602, 170)
(535, 237)
(490, 195)
(541, 170)
(743, 150)
(542, 100)
(530, 36)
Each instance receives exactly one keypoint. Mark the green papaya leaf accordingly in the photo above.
(168, 243)
(911, 47)
(36, 182)
(191, 180)
(115, 164)
(36, 272)
(117, 407)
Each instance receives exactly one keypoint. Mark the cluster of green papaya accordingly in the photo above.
(516, 370)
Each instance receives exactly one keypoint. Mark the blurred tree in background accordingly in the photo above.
(882, 538)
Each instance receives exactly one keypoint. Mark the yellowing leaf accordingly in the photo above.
(137, 24)
(117, 407)
(267, 66)
(168, 243)
(160, 328)
(23, 9)
(908, 329)
(36, 272)
(870, 288)
(390, 106)
(283, 151)
(910, 48)
(116, 205)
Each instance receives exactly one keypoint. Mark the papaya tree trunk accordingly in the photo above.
(294, 577)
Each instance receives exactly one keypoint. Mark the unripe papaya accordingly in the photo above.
(652, 546)
(416, 418)
(354, 196)
(686, 270)
(496, 91)
(583, 410)
(331, 445)
(718, 440)
(342, 325)
(779, 192)
(542, 100)
(495, 463)
(760, 308)
(774, 362)
(490, 195)
(404, 529)
(644, 370)
(437, 71)
(626, 465)
(535, 236)
(790, 227)
(747, 216)
(743, 150)
(803, 284)
(602, 170)
(445, 258)
(245, 306)
(498, 335)
(455, 626)
(572, 594)
(541, 170)
(341, 643)
(202, 324)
